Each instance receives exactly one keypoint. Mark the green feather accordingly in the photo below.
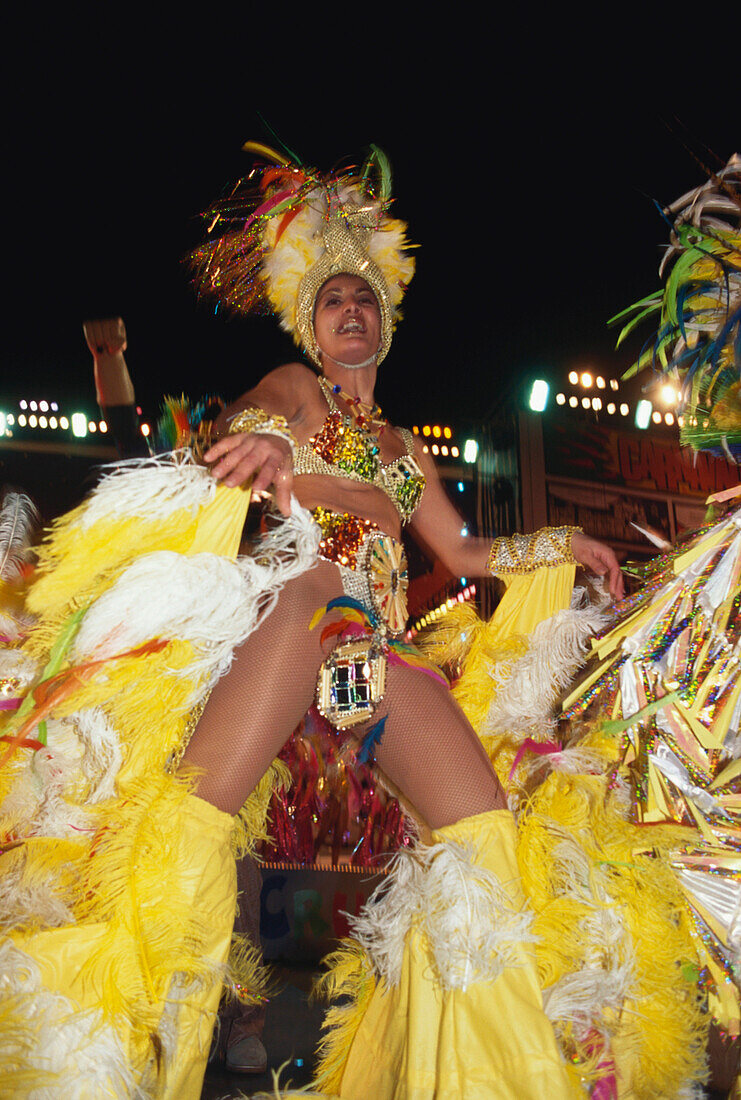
(379, 164)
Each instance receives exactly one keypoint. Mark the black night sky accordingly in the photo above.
(525, 165)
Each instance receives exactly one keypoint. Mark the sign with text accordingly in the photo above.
(633, 459)
(607, 479)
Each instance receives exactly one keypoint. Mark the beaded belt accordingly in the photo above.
(373, 565)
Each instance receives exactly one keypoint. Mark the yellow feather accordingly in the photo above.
(349, 978)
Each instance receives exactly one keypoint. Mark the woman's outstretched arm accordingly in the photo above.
(440, 527)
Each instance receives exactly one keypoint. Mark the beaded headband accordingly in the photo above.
(284, 231)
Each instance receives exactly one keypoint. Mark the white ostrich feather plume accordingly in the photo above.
(153, 488)
(30, 904)
(213, 602)
(527, 689)
(15, 664)
(66, 1053)
(46, 797)
(18, 518)
(582, 999)
(102, 757)
(465, 912)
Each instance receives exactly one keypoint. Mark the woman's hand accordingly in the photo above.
(266, 458)
(600, 559)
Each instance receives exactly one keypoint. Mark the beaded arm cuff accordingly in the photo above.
(254, 419)
(525, 553)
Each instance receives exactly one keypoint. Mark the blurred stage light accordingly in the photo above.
(643, 413)
(470, 450)
(539, 395)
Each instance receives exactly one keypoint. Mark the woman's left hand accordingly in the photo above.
(600, 559)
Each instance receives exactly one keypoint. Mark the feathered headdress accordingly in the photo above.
(281, 233)
(698, 342)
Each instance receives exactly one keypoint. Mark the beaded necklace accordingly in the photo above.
(368, 418)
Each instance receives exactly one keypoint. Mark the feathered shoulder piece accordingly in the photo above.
(286, 228)
(698, 341)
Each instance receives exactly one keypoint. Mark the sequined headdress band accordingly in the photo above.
(287, 229)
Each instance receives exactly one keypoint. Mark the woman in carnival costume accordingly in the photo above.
(164, 672)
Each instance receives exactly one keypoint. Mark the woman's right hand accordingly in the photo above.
(266, 458)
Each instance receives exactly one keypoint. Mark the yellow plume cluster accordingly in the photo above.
(90, 816)
(602, 904)
(348, 979)
(618, 960)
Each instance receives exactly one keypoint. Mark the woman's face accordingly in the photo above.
(347, 320)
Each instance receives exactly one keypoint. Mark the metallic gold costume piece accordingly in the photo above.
(525, 553)
(342, 449)
(352, 682)
(373, 565)
(277, 237)
(346, 239)
(256, 420)
(388, 577)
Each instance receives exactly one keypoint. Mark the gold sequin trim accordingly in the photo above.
(255, 419)
(525, 553)
(176, 756)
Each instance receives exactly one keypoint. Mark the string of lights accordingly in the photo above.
(587, 393)
(18, 418)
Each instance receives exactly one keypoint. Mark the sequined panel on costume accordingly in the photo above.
(373, 565)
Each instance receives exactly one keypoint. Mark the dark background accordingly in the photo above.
(526, 160)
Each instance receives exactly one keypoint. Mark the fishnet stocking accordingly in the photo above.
(428, 749)
(254, 709)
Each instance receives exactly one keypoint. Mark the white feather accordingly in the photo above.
(593, 997)
(18, 518)
(152, 488)
(208, 600)
(17, 665)
(81, 755)
(465, 912)
(102, 759)
(35, 904)
(528, 689)
(72, 1055)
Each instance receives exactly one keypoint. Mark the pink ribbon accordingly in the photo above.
(267, 206)
(605, 1087)
(10, 704)
(540, 748)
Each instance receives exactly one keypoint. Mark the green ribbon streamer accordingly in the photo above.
(57, 654)
(616, 726)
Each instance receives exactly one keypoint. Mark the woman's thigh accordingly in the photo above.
(428, 748)
(255, 707)
(430, 751)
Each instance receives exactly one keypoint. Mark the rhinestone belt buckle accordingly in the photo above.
(351, 682)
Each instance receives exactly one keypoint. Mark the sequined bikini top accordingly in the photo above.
(342, 449)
